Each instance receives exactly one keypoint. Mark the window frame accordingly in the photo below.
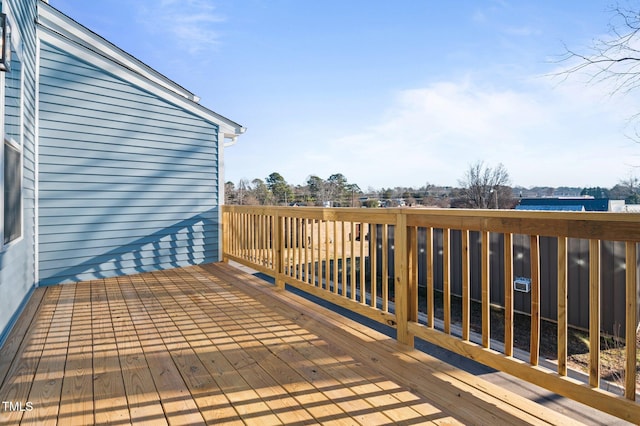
(11, 142)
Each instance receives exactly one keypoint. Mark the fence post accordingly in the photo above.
(279, 249)
(402, 290)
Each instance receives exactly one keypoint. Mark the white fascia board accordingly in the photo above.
(57, 21)
(55, 39)
(63, 32)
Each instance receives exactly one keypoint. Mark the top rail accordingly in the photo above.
(587, 225)
(412, 268)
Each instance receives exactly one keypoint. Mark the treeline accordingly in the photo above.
(626, 190)
(335, 191)
(481, 187)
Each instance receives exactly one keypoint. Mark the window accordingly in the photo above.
(12, 153)
(12, 193)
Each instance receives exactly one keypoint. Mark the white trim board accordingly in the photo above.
(57, 21)
(60, 31)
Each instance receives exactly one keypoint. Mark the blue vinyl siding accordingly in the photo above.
(17, 260)
(127, 182)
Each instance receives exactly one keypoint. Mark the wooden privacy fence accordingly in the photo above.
(327, 253)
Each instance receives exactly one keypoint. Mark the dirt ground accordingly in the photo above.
(612, 351)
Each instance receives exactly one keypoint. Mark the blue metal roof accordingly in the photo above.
(565, 204)
(552, 208)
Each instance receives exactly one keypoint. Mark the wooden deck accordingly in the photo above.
(215, 345)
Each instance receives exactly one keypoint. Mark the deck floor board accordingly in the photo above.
(213, 345)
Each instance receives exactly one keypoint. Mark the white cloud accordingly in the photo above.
(570, 135)
(191, 23)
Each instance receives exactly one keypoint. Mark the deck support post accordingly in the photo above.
(224, 224)
(402, 288)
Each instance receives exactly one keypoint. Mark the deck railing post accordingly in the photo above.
(225, 234)
(402, 288)
(278, 233)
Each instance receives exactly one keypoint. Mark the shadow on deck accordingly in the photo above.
(212, 344)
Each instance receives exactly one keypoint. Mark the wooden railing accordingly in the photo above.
(345, 255)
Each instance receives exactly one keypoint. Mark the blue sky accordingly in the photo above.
(388, 93)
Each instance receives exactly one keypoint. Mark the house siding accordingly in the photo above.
(127, 180)
(17, 260)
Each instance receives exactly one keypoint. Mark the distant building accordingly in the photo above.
(546, 191)
(588, 204)
(626, 208)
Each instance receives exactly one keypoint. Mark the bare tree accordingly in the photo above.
(229, 193)
(615, 59)
(627, 189)
(484, 188)
(243, 188)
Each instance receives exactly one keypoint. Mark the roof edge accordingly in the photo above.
(66, 26)
(53, 24)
